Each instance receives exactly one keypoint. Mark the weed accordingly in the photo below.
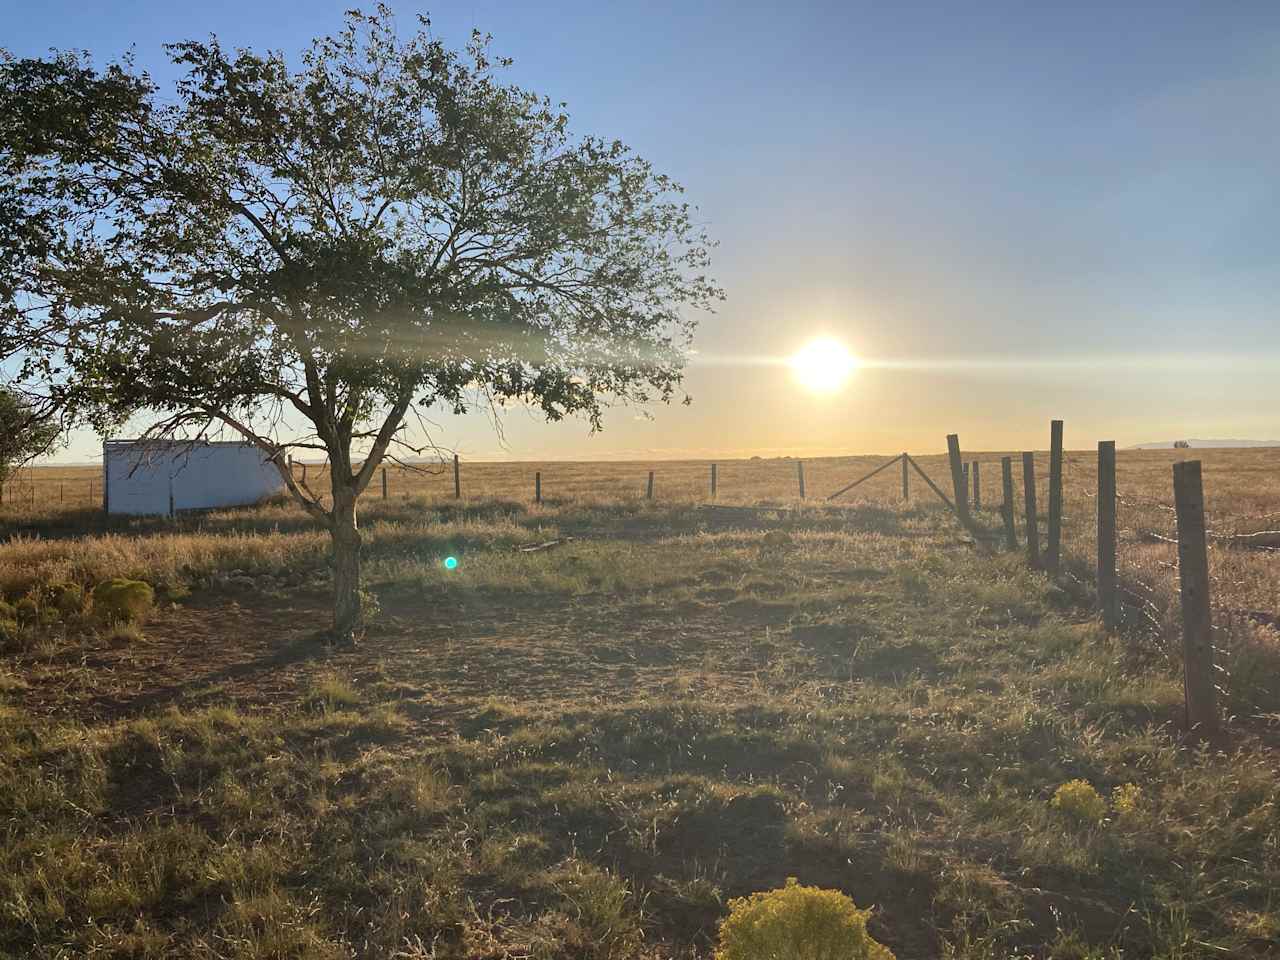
(1079, 801)
(122, 634)
(331, 692)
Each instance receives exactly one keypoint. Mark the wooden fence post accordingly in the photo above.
(959, 482)
(1053, 549)
(304, 472)
(457, 479)
(977, 487)
(800, 476)
(1029, 502)
(537, 487)
(968, 500)
(384, 483)
(1197, 623)
(1006, 509)
(61, 496)
(906, 465)
(648, 494)
(1107, 599)
(713, 481)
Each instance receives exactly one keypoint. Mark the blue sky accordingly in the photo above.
(1025, 210)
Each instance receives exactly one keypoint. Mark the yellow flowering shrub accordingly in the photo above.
(797, 923)
(1126, 798)
(1080, 801)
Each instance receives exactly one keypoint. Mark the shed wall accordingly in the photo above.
(151, 482)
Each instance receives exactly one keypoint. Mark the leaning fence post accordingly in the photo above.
(384, 483)
(800, 476)
(1107, 605)
(1029, 502)
(648, 494)
(1006, 509)
(977, 487)
(1197, 624)
(906, 464)
(1053, 549)
(537, 487)
(457, 479)
(713, 481)
(959, 482)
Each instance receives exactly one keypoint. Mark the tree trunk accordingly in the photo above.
(348, 615)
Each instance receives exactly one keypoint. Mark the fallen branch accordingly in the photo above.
(536, 547)
(1262, 540)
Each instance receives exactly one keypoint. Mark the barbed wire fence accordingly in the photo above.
(1151, 540)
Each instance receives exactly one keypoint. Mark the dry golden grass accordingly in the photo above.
(50, 541)
(1242, 492)
(585, 752)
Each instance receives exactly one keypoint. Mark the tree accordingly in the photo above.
(385, 228)
(24, 433)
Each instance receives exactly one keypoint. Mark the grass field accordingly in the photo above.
(586, 751)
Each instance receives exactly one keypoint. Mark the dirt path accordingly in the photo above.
(435, 653)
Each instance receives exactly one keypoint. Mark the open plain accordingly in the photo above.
(585, 750)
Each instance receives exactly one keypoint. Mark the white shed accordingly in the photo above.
(154, 478)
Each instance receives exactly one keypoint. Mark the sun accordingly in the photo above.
(823, 365)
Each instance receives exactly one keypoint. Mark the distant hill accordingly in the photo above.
(1200, 444)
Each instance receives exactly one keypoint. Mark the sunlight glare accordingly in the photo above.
(823, 365)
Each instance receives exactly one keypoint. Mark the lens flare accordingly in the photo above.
(451, 563)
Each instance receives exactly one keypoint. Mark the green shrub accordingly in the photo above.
(10, 631)
(67, 598)
(798, 923)
(28, 611)
(123, 600)
(1080, 801)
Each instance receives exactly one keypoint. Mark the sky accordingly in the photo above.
(1011, 212)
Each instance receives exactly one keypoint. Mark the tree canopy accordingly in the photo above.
(382, 227)
(24, 432)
